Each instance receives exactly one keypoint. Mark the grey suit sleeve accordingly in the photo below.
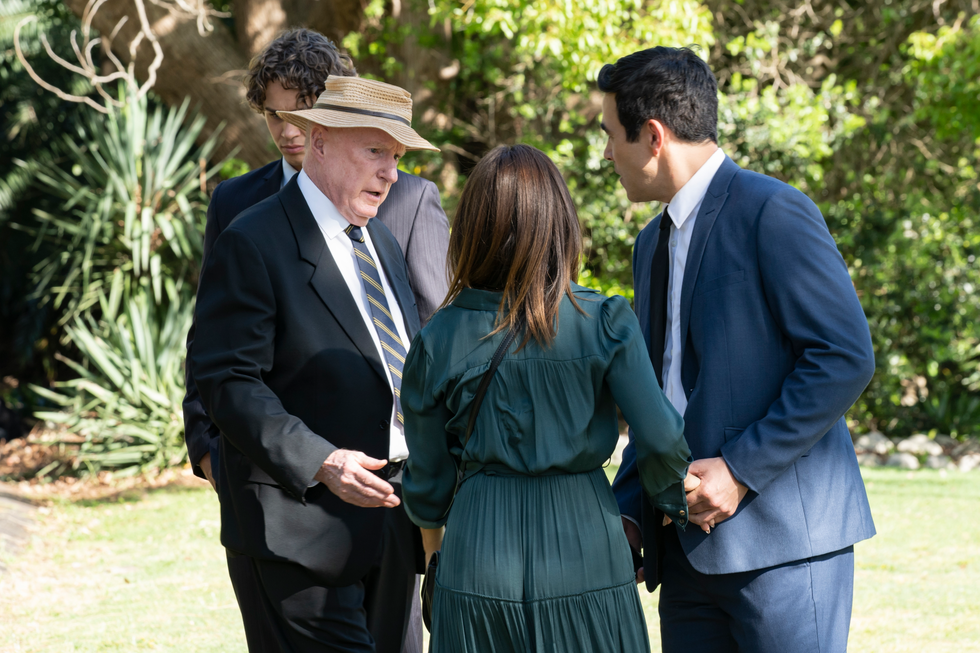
(426, 252)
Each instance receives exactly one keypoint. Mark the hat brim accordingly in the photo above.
(328, 118)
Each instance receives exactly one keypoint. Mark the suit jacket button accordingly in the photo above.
(384, 424)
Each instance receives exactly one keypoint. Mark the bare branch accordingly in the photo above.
(201, 10)
(927, 153)
(460, 151)
(86, 66)
(43, 84)
(147, 31)
(58, 60)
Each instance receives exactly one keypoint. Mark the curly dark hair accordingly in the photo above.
(298, 59)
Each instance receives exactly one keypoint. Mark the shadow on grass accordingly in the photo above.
(11, 496)
(135, 494)
(89, 493)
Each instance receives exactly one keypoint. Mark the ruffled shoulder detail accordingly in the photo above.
(617, 322)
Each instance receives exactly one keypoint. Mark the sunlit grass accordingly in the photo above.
(917, 582)
(146, 572)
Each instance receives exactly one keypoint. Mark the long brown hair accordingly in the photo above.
(517, 231)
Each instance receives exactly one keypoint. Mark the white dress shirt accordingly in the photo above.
(332, 226)
(288, 172)
(683, 210)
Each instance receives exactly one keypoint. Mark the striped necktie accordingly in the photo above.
(384, 323)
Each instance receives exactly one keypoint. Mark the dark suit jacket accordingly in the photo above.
(287, 369)
(775, 349)
(412, 212)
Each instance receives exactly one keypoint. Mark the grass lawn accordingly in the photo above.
(145, 572)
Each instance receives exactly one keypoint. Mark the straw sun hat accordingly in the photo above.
(359, 102)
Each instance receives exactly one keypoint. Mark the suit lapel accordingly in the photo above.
(326, 279)
(713, 202)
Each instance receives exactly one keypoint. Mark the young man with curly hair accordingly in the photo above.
(288, 75)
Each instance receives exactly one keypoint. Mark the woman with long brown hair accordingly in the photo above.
(535, 557)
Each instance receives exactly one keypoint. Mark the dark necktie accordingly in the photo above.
(659, 278)
(384, 323)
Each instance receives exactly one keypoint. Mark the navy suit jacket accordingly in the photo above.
(775, 349)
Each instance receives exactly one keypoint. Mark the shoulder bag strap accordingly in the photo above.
(485, 381)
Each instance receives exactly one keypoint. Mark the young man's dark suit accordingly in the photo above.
(413, 213)
(287, 369)
(775, 349)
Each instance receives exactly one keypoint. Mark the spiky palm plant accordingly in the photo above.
(126, 402)
(126, 239)
(133, 200)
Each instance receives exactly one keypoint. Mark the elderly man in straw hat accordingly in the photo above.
(303, 328)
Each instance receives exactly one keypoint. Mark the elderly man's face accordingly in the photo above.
(354, 168)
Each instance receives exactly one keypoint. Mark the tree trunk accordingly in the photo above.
(257, 22)
(207, 69)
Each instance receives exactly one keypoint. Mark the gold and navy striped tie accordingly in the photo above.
(384, 323)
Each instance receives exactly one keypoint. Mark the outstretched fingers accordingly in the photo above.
(350, 475)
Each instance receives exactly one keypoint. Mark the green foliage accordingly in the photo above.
(32, 121)
(526, 73)
(947, 65)
(915, 246)
(870, 109)
(125, 242)
(233, 168)
(126, 403)
(132, 201)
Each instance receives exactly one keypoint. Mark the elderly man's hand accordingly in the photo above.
(718, 496)
(205, 466)
(348, 475)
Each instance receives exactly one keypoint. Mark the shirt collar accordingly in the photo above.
(288, 172)
(688, 198)
(327, 217)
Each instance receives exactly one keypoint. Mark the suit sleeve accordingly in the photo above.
(429, 482)
(198, 427)
(233, 349)
(426, 253)
(810, 293)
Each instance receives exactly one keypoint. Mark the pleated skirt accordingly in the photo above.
(537, 564)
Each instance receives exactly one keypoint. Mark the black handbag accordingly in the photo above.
(429, 582)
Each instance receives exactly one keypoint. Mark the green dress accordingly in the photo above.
(534, 558)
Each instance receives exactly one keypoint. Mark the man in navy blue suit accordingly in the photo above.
(758, 338)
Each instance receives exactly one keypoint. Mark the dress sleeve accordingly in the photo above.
(429, 482)
(662, 454)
